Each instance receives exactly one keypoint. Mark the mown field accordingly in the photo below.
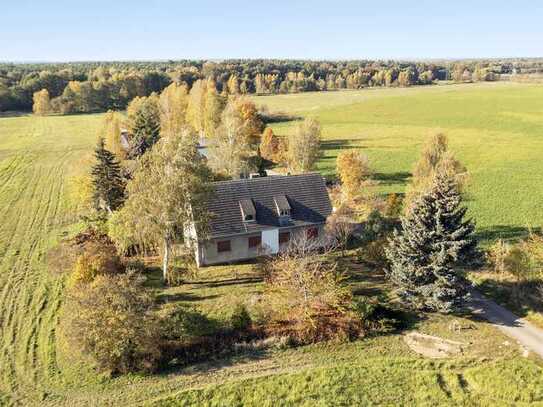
(39, 155)
(495, 129)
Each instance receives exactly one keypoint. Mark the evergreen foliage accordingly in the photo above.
(433, 240)
(144, 124)
(108, 184)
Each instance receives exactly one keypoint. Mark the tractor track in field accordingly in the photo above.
(27, 314)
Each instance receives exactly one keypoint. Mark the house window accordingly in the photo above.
(223, 246)
(254, 241)
(312, 233)
(249, 218)
(284, 237)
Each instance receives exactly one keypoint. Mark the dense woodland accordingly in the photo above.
(99, 86)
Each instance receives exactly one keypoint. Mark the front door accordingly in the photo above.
(270, 240)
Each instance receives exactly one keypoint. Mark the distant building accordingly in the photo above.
(262, 215)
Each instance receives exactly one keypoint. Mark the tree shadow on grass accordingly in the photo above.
(505, 232)
(520, 297)
(392, 178)
(211, 365)
(227, 282)
(339, 144)
(185, 297)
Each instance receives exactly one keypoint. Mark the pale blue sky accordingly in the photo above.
(58, 30)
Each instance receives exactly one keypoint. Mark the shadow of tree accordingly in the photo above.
(391, 178)
(334, 144)
(505, 232)
(228, 282)
(521, 297)
(188, 297)
(278, 117)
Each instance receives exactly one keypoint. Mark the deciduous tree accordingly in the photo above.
(167, 196)
(435, 156)
(196, 107)
(269, 146)
(42, 103)
(111, 319)
(231, 152)
(304, 146)
(213, 107)
(353, 169)
(112, 133)
(173, 103)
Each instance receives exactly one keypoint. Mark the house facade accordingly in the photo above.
(252, 217)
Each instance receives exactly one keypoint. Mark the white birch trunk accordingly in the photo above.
(165, 259)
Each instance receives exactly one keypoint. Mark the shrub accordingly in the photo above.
(182, 323)
(240, 319)
(375, 227)
(98, 258)
(308, 300)
(111, 319)
(497, 255)
(393, 207)
(374, 253)
(517, 262)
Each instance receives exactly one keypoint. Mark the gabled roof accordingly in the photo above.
(305, 194)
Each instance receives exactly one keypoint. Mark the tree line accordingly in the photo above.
(99, 86)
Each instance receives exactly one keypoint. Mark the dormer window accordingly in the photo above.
(283, 209)
(248, 211)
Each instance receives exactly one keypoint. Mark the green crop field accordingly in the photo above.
(497, 130)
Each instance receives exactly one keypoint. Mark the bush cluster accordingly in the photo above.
(308, 300)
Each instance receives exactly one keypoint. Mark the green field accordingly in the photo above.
(497, 130)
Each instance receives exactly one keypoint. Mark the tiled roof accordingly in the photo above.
(306, 194)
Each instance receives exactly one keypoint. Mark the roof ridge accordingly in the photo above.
(258, 179)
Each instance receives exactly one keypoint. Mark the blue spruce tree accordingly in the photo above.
(425, 252)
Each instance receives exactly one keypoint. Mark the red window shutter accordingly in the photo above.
(223, 246)
(255, 241)
(312, 233)
(284, 237)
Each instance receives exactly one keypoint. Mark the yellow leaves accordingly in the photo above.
(353, 169)
(42, 103)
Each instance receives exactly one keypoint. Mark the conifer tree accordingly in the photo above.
(108, 184)
(144, 123)
(433, 240)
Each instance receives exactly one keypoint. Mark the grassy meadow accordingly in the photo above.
(495, 129)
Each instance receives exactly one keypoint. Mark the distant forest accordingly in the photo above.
(82, 87)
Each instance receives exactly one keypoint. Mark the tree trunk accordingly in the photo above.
(165, 259)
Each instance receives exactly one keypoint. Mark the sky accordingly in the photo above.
(84, 30)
